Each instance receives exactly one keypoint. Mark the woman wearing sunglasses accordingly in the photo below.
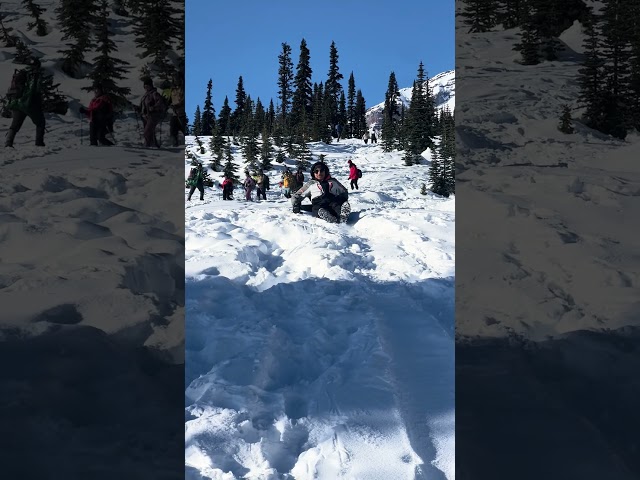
(329, 198)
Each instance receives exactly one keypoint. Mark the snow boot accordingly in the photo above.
(40, 136)
(345, 210)
(11, 134)
(326, 216)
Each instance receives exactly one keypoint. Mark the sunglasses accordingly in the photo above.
(317, 170)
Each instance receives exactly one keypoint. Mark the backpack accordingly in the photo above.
(359, 172)
(18, 82)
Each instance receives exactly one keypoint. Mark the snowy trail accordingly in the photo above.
(318, 350)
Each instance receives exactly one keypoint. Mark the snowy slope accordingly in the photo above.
(317, 350)
(91, 270)
(567, 259)
(442, 86)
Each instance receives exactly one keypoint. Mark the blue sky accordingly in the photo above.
(225, 40)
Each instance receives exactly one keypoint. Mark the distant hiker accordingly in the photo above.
(100, 113)
(25, 100)
(249, 184)
(262, 184)
(152, 110)
(287, 183)
(365, 137)
(373, 137)
(196, 180)
(353, 175)
(299, 177)
(227, 189)
(178, 118)
(329, 198)
(339, 131)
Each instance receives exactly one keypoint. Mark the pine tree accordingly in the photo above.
(208, 117)
(76, 18)
(38, 23)
(270, 118)
(200, 145)
(565, 120)
(156, 26)
(351, 107)
(333, 88)
(285, 81)
(360, 125)
(616, 33)
(196, 129)
(480, 15)
(8, 39)
(230, 168)
(224, 119)
(418, 131)
(342, 112)
(107, 69)
(239, 114)
(250, 149)
(23, 53)
(590, 76)
(390, 115)
(259, 115)
(302, 96)
(266, 152)
(529, 46)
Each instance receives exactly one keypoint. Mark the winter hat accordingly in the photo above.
(349, 162)
(147, 81)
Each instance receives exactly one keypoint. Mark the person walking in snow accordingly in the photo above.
(365, 137)
(100, 113)
(196, 180)
(25, 100)
(287, 182)
(329, 198)
(353, 175)
(176, 100)
(152, 110)
(373, 138)
(227, 189)
(299, 177)
(249, 184)
(262, 184)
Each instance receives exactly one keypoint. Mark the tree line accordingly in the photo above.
(307, 111)
(609, 77)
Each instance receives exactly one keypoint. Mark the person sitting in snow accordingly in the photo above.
(329, 198)
(353, 175)
(100, 113)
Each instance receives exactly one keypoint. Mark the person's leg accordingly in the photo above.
(325, 214)
(93, 135)
(16, 122)
(173, 130)
(191, 190)
(150, 132)
(38, 119)
(345, 210)
(356, 183)
(201, 189)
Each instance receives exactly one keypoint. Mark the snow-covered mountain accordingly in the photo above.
(316, 350)
(443, 88)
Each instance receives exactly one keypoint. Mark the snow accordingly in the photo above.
(551, 250)
(318, 350)
(84, 213)
(91, 270)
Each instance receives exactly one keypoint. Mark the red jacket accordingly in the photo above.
(227, 181)
(102, 104)
(353, 172)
